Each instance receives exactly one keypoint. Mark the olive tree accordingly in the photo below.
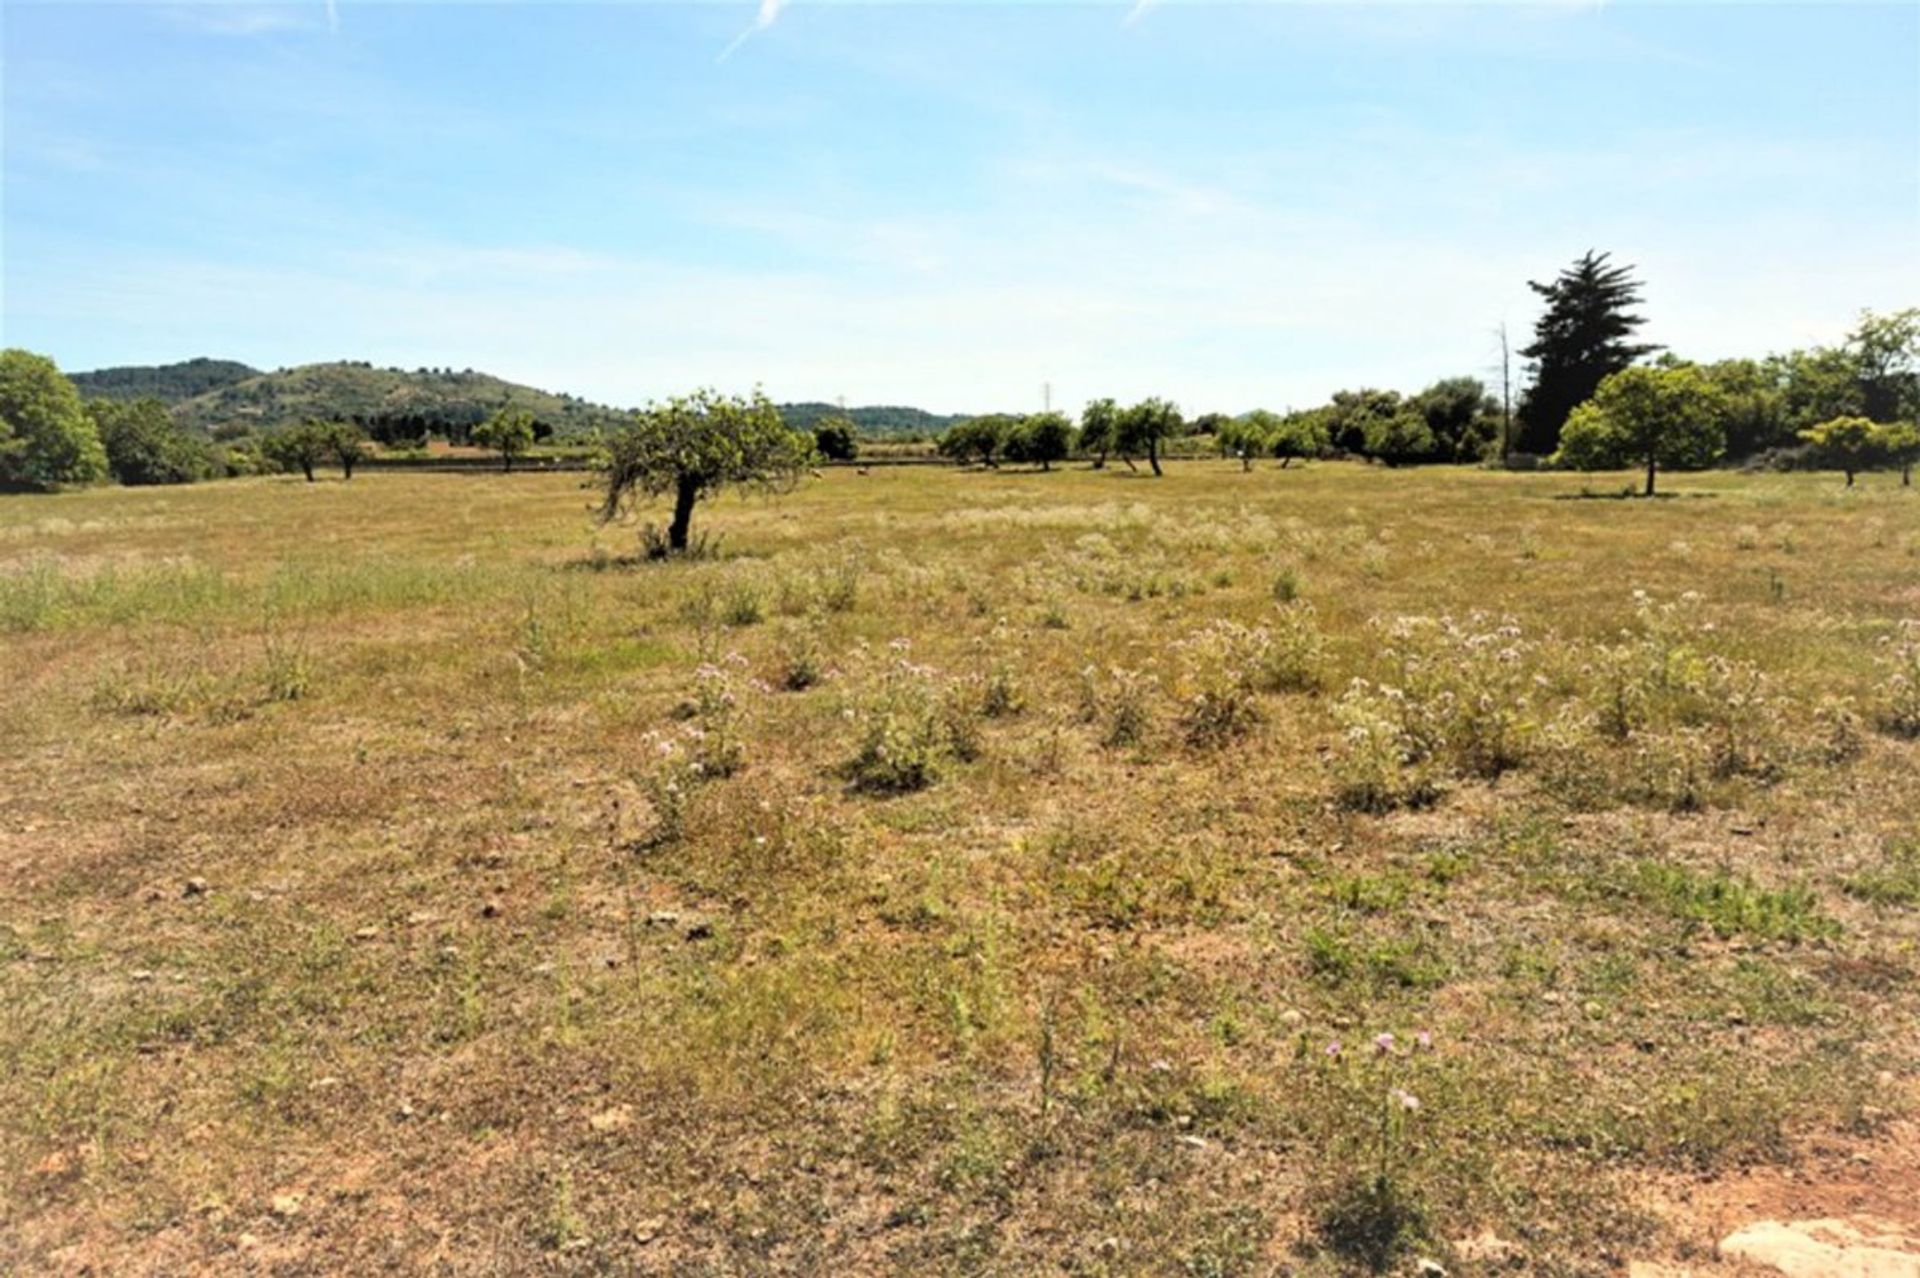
(692, 446)
(346, 444)
(1145, 426)
(508, 432)
(1099, 421)
(46, 435)
(300, 448)
(1045, 438)
(1654, 417)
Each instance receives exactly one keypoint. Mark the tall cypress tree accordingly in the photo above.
(1580, 340)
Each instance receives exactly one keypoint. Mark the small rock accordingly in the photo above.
(662, 918)
(326, 1084)
(287, 1204)
(1430, 1268)
(1193, 1142)
(141, 974)
(1859, 1248)
(195, 886)
(420, 918)
(1592, 1010)
(248, 1242)
(367, 934)
(1292, 1018)
(648, 1230)
(405, 1111)
(1109, 1246)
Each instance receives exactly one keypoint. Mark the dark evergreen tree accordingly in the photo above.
(1582, 338)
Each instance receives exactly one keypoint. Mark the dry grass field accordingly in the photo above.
(960, 873)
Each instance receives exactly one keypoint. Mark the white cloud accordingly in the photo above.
(768, 13)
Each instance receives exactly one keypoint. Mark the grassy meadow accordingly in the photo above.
(959, 873)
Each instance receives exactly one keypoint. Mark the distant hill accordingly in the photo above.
(391, 403)
(875, 421)
(168, 382)
(224, 396)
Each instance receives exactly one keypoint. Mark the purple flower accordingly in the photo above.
(1424, 1040)
(1382, 1044)
(1333, 1048)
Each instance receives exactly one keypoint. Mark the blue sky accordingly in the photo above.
(943, 204)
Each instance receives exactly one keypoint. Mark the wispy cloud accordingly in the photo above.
(1138, 11)
(769, 12)
(244, 20)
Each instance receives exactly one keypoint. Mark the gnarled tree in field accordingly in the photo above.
(695, 445)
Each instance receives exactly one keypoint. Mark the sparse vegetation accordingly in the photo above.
(951, 901)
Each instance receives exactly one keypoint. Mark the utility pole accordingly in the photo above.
(1506, 396)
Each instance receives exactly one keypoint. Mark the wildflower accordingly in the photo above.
(1424, 1041)
(1404, 1099)
(1382, 1044)
(1333, 1048)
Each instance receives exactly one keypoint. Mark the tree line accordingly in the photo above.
(1596, 399)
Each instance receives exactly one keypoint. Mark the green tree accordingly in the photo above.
(508, 432)
(1099, 424)
(1885, 350)
(1581, 339)
(1848, 444)
(47, 437)
(346, 444)
(1655, 417)
(1302, 434)
(1247, 436)
(1045, 438)
(145, 445)
(1754, 413)
(1816, 385)
(1461, 418)
(1401, 438)
(1900, 444)
(695, 445)
(300, 448)
(1145, 427)
(834, 438)
(981, 438)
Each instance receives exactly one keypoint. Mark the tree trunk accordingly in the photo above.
(1100, 461)
(1153, 455)
(1649, 474)
(1128, 459)
(1285, 462)
(1906, 474)
(506, 461)
(307, 469)
(346, 468)
(685, 493)
(1849, 479)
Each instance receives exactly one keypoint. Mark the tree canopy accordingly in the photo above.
(1145, 426)
(47, 437)
(144, 444)
(695, 445)
(1656, 417)
(508, 432)
(1582, 337)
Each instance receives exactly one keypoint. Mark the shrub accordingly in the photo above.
(903, 730)
(1899, 710)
